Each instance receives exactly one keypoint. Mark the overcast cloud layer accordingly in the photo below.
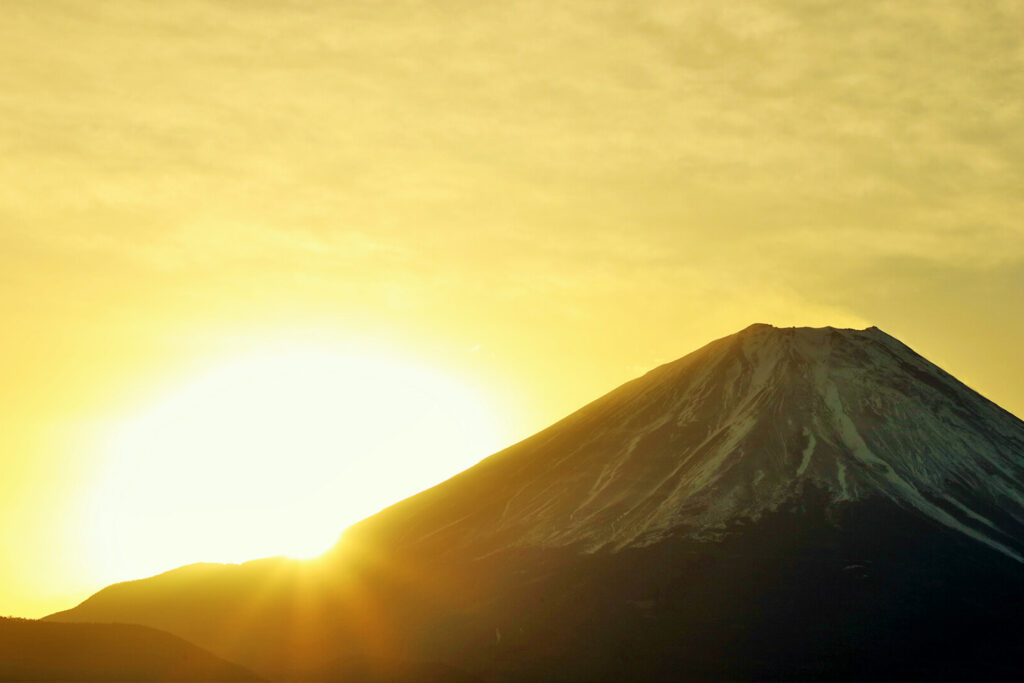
(579, 189)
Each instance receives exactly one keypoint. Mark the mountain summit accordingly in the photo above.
(783, 503)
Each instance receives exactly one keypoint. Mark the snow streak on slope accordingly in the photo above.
(737, 429)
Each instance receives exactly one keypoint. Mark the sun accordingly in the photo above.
(275, 453)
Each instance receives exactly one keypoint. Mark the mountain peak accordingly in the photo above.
(800, 328)
(765, 333)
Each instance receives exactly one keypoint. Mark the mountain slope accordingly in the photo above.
(732, 431)
(780, 504)
(39, 651)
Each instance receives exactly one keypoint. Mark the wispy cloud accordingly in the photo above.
(573, 156)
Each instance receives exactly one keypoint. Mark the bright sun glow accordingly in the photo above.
(274, 454)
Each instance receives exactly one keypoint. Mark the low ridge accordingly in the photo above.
(41, 651)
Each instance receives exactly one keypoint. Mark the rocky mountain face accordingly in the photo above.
(781, 504)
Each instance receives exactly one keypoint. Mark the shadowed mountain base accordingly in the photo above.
(870, 594)
(865, 592)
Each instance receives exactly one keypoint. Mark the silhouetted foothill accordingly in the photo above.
(45, 651)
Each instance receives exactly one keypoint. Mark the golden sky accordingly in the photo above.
(539, 199)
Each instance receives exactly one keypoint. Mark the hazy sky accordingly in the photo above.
(543, 199)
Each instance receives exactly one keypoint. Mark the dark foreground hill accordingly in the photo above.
(782, 504)
(44, 651)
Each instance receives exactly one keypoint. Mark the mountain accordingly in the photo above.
(780, 504)
(39, 651)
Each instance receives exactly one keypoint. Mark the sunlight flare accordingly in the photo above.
(274, 453)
